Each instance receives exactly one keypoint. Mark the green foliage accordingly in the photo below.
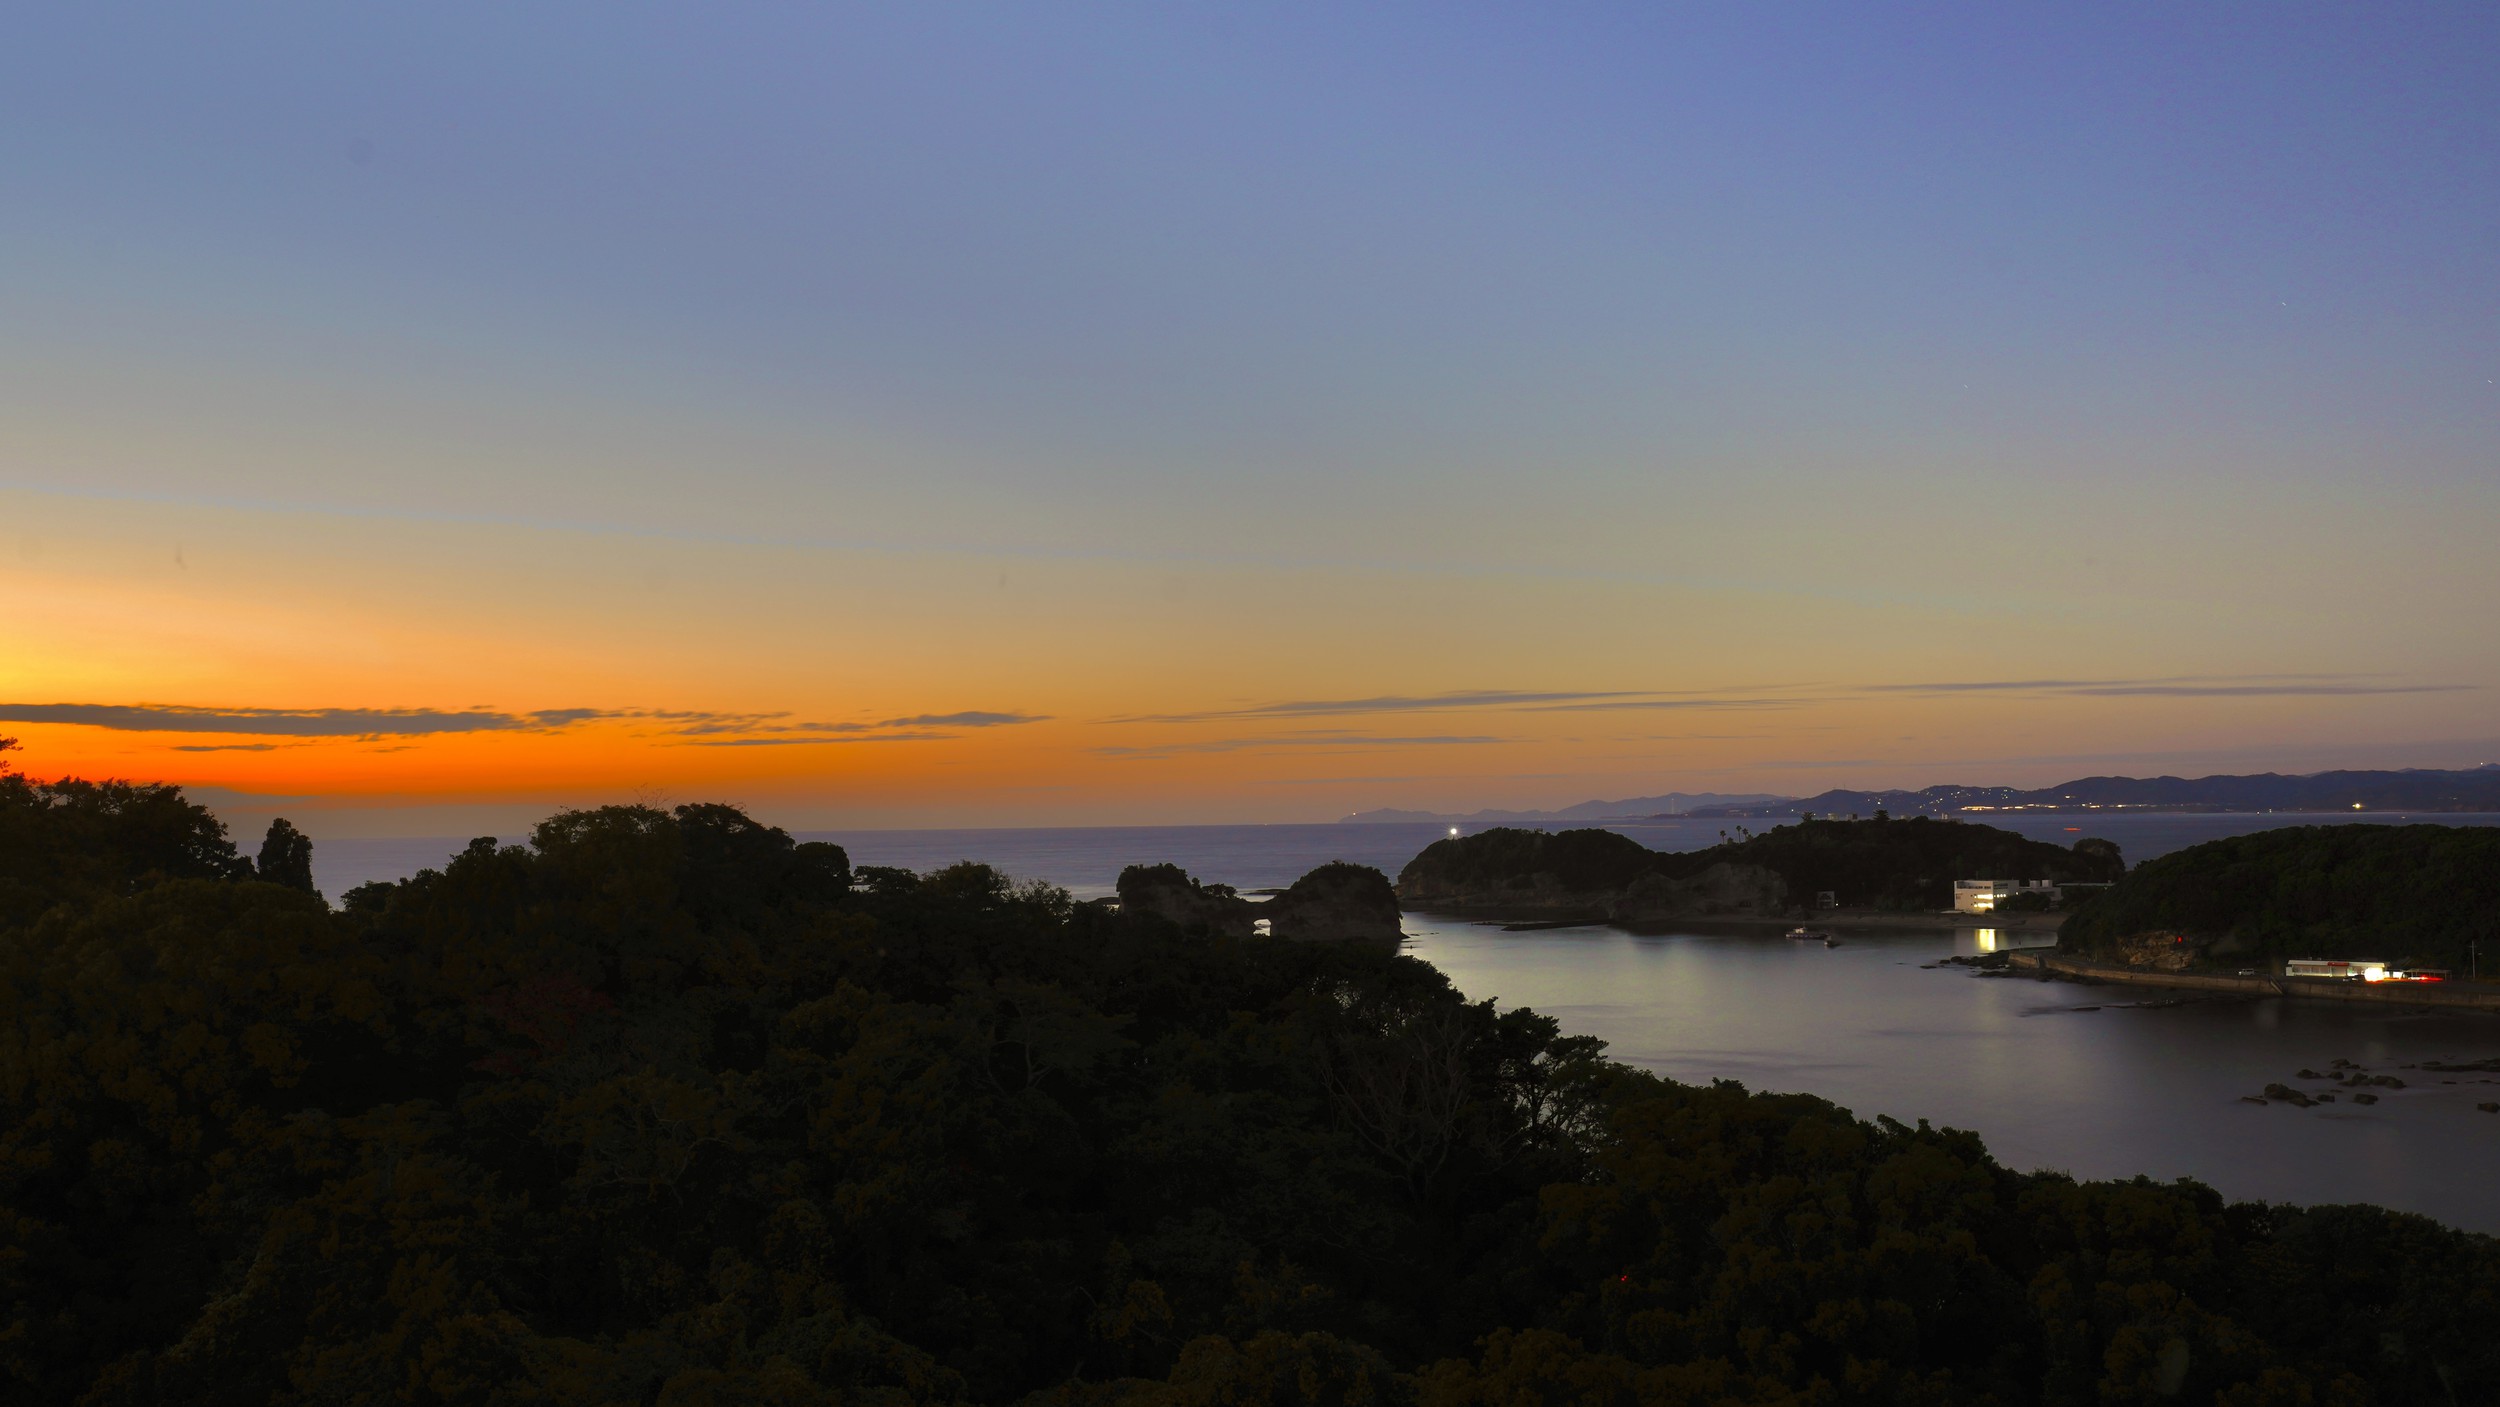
(662, 1108)
(2415, 894)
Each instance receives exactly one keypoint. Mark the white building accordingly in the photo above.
(2352, 970)
(1981, 896)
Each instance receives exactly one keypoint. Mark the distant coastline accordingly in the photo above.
(2475, 789)
(1631, 808)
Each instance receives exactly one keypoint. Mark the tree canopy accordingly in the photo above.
(662, 1107)
(2413, 894)
(1880, 864)
(79, 840)
(286, 857)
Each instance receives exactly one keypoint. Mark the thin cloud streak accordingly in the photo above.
(1791, 696)
(1331, 740)
(970, 718)
(1391, 703)
(917, 728)
(2186, 686)
(1644, 705)
(2242, 691)
(762, 723)
(427, 722)
(787, 740)
(299, 723)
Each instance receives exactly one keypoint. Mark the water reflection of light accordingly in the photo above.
(2006, 940)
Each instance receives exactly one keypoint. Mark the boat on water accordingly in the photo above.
(1810, 935)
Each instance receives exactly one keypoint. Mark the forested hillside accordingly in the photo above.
(663, 1108)
(2410, 894)
(1877, 864)
(1905, 864)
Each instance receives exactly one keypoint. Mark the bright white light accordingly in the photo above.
(1453, 830)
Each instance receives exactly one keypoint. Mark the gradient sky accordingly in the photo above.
(946, 414)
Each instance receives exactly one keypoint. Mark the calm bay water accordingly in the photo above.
(2126, 1088)
(2132, 1087)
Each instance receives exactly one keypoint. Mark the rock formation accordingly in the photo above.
(1517, 871)
(1335, 902)
(1167, 892)
(2162, 952)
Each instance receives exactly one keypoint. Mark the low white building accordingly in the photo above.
(2349, 969)
(1982, 896)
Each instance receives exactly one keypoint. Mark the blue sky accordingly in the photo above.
(2135, 340)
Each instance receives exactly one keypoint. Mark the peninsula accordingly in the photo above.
(2417, 897)
(1884, 866)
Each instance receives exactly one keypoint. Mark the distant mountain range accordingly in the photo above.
(2472, 789)
(1674, 803)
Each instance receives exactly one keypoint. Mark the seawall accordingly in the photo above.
(2450, 996)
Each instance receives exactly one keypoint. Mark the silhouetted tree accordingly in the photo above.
(286, 857)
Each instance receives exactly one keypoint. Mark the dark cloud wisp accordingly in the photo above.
(714, 729)
(765, 730)
(1294, 740)
(2187, 686)
(1425, 703)
(298, 722)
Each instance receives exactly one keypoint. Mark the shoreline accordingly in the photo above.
(1530, 920)
(2459, 996)
(2036, 960)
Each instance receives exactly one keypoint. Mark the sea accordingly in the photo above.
(2092, 1081)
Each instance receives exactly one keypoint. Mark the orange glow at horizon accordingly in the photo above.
(945, 688)
(1062, 423)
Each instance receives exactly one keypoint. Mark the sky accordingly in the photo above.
(416, 417)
